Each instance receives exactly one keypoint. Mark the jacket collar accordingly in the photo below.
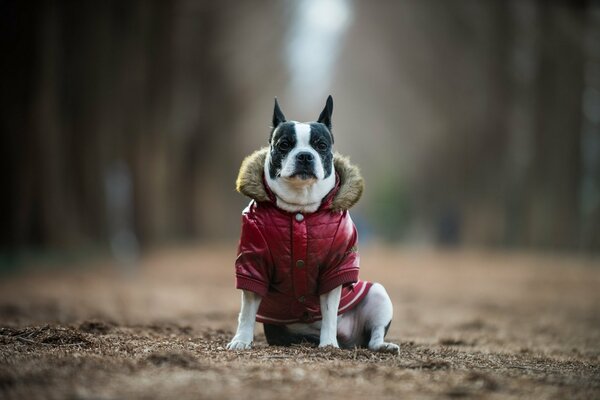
(347, 192)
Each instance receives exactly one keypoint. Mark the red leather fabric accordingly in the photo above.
(290, 260)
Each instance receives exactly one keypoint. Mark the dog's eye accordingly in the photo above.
(322, 146)
(284, 146)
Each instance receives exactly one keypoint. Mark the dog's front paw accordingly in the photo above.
(386, 348)
(237, 344)
(333, 344)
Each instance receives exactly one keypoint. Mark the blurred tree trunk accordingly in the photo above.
(484, 168)
(523, 62)
(590, 193)
(202, 152)
(553, 209)
(19, 210)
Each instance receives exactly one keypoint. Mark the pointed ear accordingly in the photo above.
(278, 116)
(325, 117)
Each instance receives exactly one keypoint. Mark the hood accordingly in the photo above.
(250, 180)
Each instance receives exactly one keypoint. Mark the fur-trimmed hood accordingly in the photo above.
(250, 180)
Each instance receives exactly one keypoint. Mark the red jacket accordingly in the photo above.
(289, 259)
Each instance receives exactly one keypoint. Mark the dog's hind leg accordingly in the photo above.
(377, 312)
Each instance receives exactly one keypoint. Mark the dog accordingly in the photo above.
(298, 263)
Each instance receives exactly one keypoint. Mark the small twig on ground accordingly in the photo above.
(25, 340)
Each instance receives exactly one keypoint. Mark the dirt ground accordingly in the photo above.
(470, 325)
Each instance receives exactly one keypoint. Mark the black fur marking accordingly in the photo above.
(325, 117)
(278, 116)
(283, 140)
(322, 141)
(278, 335)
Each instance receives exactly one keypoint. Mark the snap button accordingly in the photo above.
(301, 299)
(300, 263)
(299, 217)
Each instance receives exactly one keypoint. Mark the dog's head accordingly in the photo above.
(299, 165)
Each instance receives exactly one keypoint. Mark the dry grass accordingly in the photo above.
(470, 325)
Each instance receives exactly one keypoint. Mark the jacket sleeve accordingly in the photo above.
(343, 260)
(252, 266)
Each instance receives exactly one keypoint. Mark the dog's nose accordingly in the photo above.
(305, 157)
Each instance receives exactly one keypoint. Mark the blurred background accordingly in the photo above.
(475, 123)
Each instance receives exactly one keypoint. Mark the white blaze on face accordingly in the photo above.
(288, 165)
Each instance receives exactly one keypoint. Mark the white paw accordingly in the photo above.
(385, 347)
(237, 344)
(333, 344)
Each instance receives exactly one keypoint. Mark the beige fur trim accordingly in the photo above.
(250, 180)
(351, 184)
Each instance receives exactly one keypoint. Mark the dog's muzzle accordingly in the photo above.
(305, 165)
